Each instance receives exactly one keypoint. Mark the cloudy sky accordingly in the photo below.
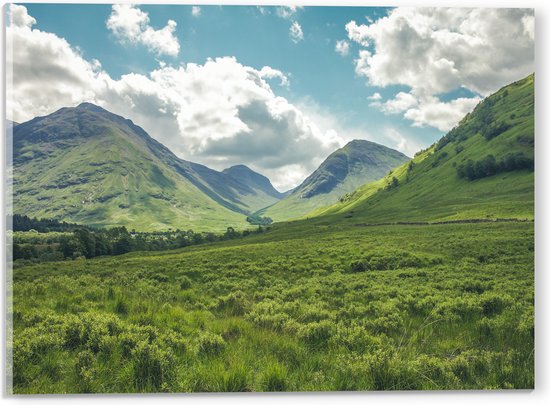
(275, 88)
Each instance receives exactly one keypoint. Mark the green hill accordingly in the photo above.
(347, 168)
(87, 165)
(483, 168)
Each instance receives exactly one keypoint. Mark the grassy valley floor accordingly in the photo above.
(302, 307)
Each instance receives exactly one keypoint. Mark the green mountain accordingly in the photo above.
(264, 193)
(347, 168)
(483, 168)
(87, 165)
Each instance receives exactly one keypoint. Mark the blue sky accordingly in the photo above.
(418, 95)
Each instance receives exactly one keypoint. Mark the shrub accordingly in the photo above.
(493, 303)
(355, 338)
(154, 368)
(210, 343)
(184, 282)
(235, 303)
(316, 334)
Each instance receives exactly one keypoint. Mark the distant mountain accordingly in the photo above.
(355, 164)
(87, 165)
(482, 169)
(255, 181)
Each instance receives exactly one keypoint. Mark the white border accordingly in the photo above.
(542, 392)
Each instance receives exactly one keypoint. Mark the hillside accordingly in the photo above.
(483, 168)
(347, 168)
(264, 192)
(87, 165)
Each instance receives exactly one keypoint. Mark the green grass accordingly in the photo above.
(432, 307)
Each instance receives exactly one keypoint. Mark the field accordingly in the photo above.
(310, 305)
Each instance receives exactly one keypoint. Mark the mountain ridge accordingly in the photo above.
(345, 169)
(114, 144)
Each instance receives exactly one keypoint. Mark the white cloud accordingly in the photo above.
(196, 11)
(342, 47)
(375, 96)
(19, 17)
(438, 50)
(296, 33)
(441, 115)
(402, 102)
(218, 113)
(131, 25)
(268, 72)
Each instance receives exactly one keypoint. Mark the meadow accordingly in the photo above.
(306, 306)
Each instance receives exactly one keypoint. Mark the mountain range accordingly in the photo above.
(87, 165)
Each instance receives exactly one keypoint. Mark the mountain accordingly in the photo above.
(264, 192)
(483, 168)
(87, 165)
(347, 168)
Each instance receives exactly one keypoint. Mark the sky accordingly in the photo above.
(275, 88)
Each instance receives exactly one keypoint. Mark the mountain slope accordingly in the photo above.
(264, 192)
(90, 166)
(347, 168)
(456, 178)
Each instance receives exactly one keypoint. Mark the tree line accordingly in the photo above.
(489, 166)
(38, 240)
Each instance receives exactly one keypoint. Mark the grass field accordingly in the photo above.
(305, 306)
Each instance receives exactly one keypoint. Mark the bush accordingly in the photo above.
(316, 334)
(154, 368)
(184, 282)
(210, 343)
(493, 303)
(235, 303)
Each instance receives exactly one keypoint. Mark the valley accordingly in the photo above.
(352, 290)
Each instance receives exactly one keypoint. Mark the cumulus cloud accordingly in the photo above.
(441, 115)
(295, 32)
(131, 25)
(218, 113)
(342, 47)
(268, 72)
(195, 11)
(438, 50)
(19, 17)
(402, 102)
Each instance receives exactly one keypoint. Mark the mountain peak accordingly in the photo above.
(238, 167)
(345, 169)
(90, 107)
(253, 179)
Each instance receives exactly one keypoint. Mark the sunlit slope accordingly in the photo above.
(347, 168)
(431, 189)
(89, 166)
